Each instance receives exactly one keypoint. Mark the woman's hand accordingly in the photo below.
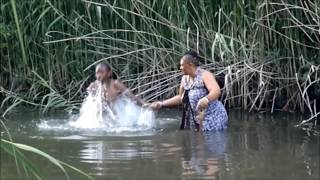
(146, 105)
(156, 105)
(202, 104)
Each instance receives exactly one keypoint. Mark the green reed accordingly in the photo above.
(26, 168)
(262, 47)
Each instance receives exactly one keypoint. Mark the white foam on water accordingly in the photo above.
(121, 116)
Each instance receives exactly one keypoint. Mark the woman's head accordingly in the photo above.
(189, 62)
(103, 72)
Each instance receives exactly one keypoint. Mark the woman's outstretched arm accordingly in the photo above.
(174, 101)
(123, 89)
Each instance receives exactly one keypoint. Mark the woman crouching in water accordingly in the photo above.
(111, 88)
(198, 93)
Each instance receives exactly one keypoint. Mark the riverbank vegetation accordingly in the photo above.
(266, 51)
(25, 168)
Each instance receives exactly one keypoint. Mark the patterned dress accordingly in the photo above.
(215, 117)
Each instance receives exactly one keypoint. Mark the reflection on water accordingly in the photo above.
(255, 146)
(202, 158)
(198, 154)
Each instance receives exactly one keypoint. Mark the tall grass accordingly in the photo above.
(267, 50)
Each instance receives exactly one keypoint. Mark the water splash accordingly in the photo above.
(122, 115)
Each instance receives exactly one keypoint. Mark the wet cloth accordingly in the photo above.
(215, 118)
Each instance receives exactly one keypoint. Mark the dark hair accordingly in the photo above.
(104, 66)
(107, 67)
(192, 57)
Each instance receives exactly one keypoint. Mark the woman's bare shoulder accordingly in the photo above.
(118, 85)
(206, 73)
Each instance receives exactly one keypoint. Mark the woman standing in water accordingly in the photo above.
(198, 93)
(111, 87)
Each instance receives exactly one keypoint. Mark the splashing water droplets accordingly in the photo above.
(122, 115)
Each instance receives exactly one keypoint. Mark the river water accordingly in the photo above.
(255, 146)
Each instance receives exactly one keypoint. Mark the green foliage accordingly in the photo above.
(259, 45)
(30, 169)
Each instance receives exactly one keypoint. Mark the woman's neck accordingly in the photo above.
(106, 82)
(193, 72)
